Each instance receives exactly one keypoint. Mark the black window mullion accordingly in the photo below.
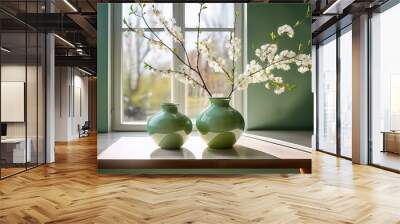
(26, 87)
(338, 76)
(316, 97)
(369, 95)
(37, 89)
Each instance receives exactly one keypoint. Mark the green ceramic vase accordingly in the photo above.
(169, 128)
(219, 124)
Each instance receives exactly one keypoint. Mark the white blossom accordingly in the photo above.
(286, 29)
(168, 24)
(205, 45)
(304, 62)
(206, 48)
(157, 45)
(217, 64)
(243, 82)
(283, 66)
(278, 80)
(287, 54)
(254, 66)
(266, 51)
(279, 90)
(233, 46)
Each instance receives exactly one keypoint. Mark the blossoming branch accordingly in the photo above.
(269, 58)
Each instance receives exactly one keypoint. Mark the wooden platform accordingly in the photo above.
(139, 153)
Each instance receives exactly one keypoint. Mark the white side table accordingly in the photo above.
(19, 154)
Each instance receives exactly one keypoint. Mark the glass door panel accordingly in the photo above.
(32, 99)
(41, 79)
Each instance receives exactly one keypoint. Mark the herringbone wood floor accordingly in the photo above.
(70, 191)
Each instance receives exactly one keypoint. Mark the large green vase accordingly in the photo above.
(169, 128)
(219, 124)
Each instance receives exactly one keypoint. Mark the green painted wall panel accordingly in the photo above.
(102, 67)
(291, 110)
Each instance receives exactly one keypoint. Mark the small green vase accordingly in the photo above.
(169, 128)
(219, 124)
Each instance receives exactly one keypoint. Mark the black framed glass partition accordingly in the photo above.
(334, 94)
(22, 77)
(13, 103)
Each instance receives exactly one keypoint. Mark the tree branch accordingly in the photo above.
(274, 63)
(198, 51)
(233, 58)
(173, 71)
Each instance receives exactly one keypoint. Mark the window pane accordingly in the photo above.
(217, 83)
(346, 94)
(385, 88)
(41, 99)
(32, 100)
(165, 8)
(143, 91)
(327, 96)
(217, 15)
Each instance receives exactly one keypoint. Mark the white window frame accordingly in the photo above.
(178, 89)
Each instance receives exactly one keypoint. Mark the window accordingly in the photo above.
(346, 93)
(143, 91)
(385, 88)
(327, 95)
(335, 94)
(138, 92)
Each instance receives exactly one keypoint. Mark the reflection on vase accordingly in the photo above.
(169, 128)
(219, 124)
(221, 140)
(172, 154)
(170, 140)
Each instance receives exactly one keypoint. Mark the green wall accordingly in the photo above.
(102, 67)
(291, 110)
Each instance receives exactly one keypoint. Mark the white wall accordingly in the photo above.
(16, 73)
(80, 112)
(33, 126)
(71, 87)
